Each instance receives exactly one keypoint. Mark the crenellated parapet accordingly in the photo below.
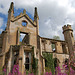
(69, 38)
(66, 28)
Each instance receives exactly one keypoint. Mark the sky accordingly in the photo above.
(53, 14)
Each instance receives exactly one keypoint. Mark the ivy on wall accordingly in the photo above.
(49, 62)
(0, 69)
(34, 63)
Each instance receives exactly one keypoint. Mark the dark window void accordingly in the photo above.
(66, 63)
(64, 48)
(16, 55)
(24, 23)
(56, 62)
(53, 47)
(72, 34)
(46, 63)
(27, 61)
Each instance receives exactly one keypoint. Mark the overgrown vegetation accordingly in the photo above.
(49, 62)
(56, 37)
(1, 70)
(34, 63)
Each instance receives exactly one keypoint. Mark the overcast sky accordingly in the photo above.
(53, 14)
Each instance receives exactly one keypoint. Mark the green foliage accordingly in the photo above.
(56, 37)
(34, 64)
(73, 67)
(42, 73)
(55, 62)
(27, 72)
(1, 70)
(49, 62)
(53, 46)
(47, 69)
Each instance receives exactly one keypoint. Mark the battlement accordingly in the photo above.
(68, 27)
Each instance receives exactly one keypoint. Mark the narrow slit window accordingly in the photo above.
(71, 34)
(27, 61)
(64, 48)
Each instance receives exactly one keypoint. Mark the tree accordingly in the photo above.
(56, 37)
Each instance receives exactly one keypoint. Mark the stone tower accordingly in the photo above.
(69, 38)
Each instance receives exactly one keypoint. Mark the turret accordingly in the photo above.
(36, 20)
(69, 38)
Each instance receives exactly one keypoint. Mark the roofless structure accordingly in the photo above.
(12, 51)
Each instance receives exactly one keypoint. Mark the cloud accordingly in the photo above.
(1, 22)
(53, 14)
(1, 30)
(22, 36)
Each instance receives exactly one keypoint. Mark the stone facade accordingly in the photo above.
(11, 49)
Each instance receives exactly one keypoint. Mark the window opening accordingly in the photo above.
(16, 54)
(66, 63)
(22, 35)
(71, 34)
(24, 23)
(24, 38)
(53, 47)
(56, 62)
(27, 61)
(46, 63)
(64, 48)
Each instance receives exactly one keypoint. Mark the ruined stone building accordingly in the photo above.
(12, 50)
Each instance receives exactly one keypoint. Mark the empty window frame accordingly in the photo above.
(22, 35)
(66, 63)
(24, 23)
(56, 62)
(24, 38)
(64, 48)
(53, 47)
(72, 34)
(43, 44)
(27, 62)
(16, 57)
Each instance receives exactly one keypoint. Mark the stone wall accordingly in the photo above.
(47, 45)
